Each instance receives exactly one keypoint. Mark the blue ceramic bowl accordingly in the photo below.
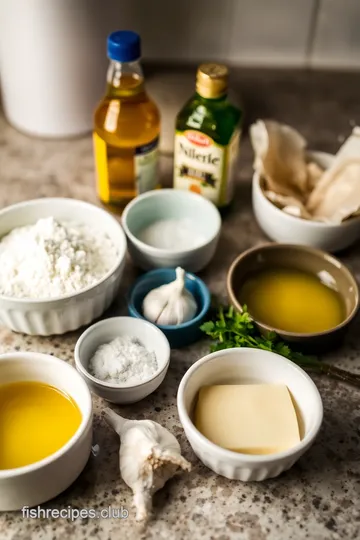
(182, 334)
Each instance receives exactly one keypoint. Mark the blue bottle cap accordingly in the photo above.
(124, 46)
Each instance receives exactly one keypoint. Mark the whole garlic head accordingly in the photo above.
(170, 304)
(149, 456)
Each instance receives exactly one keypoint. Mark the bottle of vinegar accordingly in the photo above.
(126, 127)
(207, 138)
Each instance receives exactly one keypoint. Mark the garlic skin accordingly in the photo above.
(170, 304)
(149, 456)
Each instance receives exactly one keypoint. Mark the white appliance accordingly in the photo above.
(53, 63)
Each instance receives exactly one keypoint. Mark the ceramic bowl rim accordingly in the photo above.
(151, 250)
(168, 327)
(86, 417)
(257, 179)
(229, 454)
(111, 386)
(120, 259)
(318, 253)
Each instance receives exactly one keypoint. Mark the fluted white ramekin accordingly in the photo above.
(247, 366)
(44, 317)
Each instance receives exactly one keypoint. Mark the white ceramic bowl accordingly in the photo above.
(282, 227)
(105, 331)
(249, 366)
(172, 204)
(41, 481)
(59, 315)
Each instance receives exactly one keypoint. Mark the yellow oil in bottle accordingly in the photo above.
(126, 127)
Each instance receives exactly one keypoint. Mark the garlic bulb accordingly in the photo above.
(170, 304)
(149, 456)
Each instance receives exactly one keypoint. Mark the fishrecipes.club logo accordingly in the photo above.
(72, 514)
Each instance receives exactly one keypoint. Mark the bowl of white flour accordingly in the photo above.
(61, 263)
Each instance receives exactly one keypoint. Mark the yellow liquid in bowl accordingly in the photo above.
(36, 420)
(292, 300)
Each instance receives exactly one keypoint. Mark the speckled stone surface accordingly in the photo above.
(319, 498)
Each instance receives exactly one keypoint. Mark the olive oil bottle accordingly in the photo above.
(207, 138)
(126, 127)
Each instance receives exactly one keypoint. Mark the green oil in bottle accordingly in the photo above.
(207, 138)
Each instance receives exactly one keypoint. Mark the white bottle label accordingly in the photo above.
(146, 166)
(205, 167)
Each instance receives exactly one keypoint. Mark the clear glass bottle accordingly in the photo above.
(207, 138)
(126, 127)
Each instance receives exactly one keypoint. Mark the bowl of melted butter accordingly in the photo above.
(305, 295)
(45, 428)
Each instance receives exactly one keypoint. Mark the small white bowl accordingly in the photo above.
(283, 227)
(46, 317)
(249, 366)
(41, 481)
(172, 204)
(105, 331)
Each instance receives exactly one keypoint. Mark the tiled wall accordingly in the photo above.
(319, 33)
(337, 38)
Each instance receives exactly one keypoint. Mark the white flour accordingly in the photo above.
(51, 259)
(172, 234)
(123, 360)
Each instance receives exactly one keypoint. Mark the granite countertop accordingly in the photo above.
(319, 497)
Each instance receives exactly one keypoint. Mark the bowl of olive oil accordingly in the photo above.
(305, 295)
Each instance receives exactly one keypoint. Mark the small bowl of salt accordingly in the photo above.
(122, 359)
(167, 228)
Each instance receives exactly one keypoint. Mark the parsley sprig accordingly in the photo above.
(230, 328)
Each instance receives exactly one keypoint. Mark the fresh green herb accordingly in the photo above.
(230, 328)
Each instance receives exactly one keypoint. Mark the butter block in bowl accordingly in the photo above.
(265, 421)
(237, 434)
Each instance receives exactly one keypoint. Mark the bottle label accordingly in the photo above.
(123, 171)
(101, 165)
(146, 166)
(205, 167)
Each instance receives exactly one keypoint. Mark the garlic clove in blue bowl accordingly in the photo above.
(170, 304)
(187, 332)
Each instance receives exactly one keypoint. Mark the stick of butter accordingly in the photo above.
(250, 419)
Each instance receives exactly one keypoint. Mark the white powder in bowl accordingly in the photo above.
(123, 360)
(51, 259)
(172, 234)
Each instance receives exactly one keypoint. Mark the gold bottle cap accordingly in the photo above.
(212, 80)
